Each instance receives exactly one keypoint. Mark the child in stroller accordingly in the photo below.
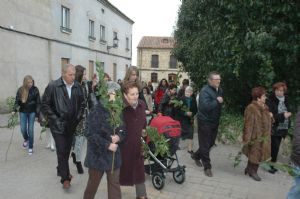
(159, 165)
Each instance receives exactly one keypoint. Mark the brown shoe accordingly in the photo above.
(66, 184)
(142, 197)
(208, 172)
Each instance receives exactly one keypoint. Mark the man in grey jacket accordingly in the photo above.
(209, 112)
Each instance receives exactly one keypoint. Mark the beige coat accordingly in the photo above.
(257, 133)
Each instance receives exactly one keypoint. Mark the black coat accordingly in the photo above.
(98, 134)
(295, 157)
(166, 108)
(32, 103)
(209, 109)
(187, 121)
(63, 113)
(272, 103)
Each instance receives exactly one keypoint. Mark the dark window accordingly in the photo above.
(172, 77)
(173, 62)
(154, 77)
(154, 61)
(127, 43)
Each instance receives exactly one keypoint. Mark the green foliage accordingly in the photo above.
(160, 142)
(13, 119)
(179, 105)
(230, 128)
(249, 42)
(280, 166)
(115, 107)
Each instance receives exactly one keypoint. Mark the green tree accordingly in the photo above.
(251, 42)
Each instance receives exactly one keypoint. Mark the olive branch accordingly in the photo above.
(115, 107)
(12, 121)
(179, 104)
(160, 142)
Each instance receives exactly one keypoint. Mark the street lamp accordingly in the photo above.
(115, 43)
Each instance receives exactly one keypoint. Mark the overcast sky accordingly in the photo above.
(151, 18)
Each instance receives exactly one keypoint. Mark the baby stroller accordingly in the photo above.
(159, 166)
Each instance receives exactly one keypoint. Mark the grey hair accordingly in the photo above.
(65, 67)
(189, 88)
(212, 73)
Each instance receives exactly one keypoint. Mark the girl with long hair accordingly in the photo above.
(28, 102)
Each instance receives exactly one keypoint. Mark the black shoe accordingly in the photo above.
(208, 172)
(74, 157)
(198, 163)
(273, 170)
(79, 167)
(191, 152)
(57, 172)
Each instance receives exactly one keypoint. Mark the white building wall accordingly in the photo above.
(31, 41)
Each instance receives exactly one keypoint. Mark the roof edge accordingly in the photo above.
(116, 10)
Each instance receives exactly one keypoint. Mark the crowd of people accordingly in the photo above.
(72, 114)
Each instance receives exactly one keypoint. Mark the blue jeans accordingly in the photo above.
(294, 192)
(26, 123)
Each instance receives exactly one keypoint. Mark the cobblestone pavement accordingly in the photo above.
(34, 177)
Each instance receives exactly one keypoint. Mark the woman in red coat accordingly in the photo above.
(132, 169)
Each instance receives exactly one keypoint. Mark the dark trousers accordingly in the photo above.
(275, 145)
(113, 185)
(63, 147)
(207, 134)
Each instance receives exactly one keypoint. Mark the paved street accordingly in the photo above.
(34, 177)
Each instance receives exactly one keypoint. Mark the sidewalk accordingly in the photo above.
(34, 177)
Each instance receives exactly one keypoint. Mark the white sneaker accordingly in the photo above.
(30, 151)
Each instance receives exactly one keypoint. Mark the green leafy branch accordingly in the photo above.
(12, 120)
(115, 107)
(179, 104)
(160, 142)
(280, 166)
(44, 124)
(238, 156)
(266, 164)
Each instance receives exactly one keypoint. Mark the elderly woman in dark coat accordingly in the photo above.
(101, 144)
(187, 118)
(294, 192)
(278, 106)
(257, 131)
(132, 170)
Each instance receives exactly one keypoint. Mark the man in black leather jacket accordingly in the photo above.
(63, 105)
(209, 112)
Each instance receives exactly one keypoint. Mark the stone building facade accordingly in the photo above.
(155, 60)
(38, 36)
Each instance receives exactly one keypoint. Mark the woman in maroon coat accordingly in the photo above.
(132, 169)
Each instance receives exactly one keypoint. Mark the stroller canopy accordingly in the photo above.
(167, 126)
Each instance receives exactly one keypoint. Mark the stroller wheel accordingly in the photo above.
(158, 181)
(179, 176)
